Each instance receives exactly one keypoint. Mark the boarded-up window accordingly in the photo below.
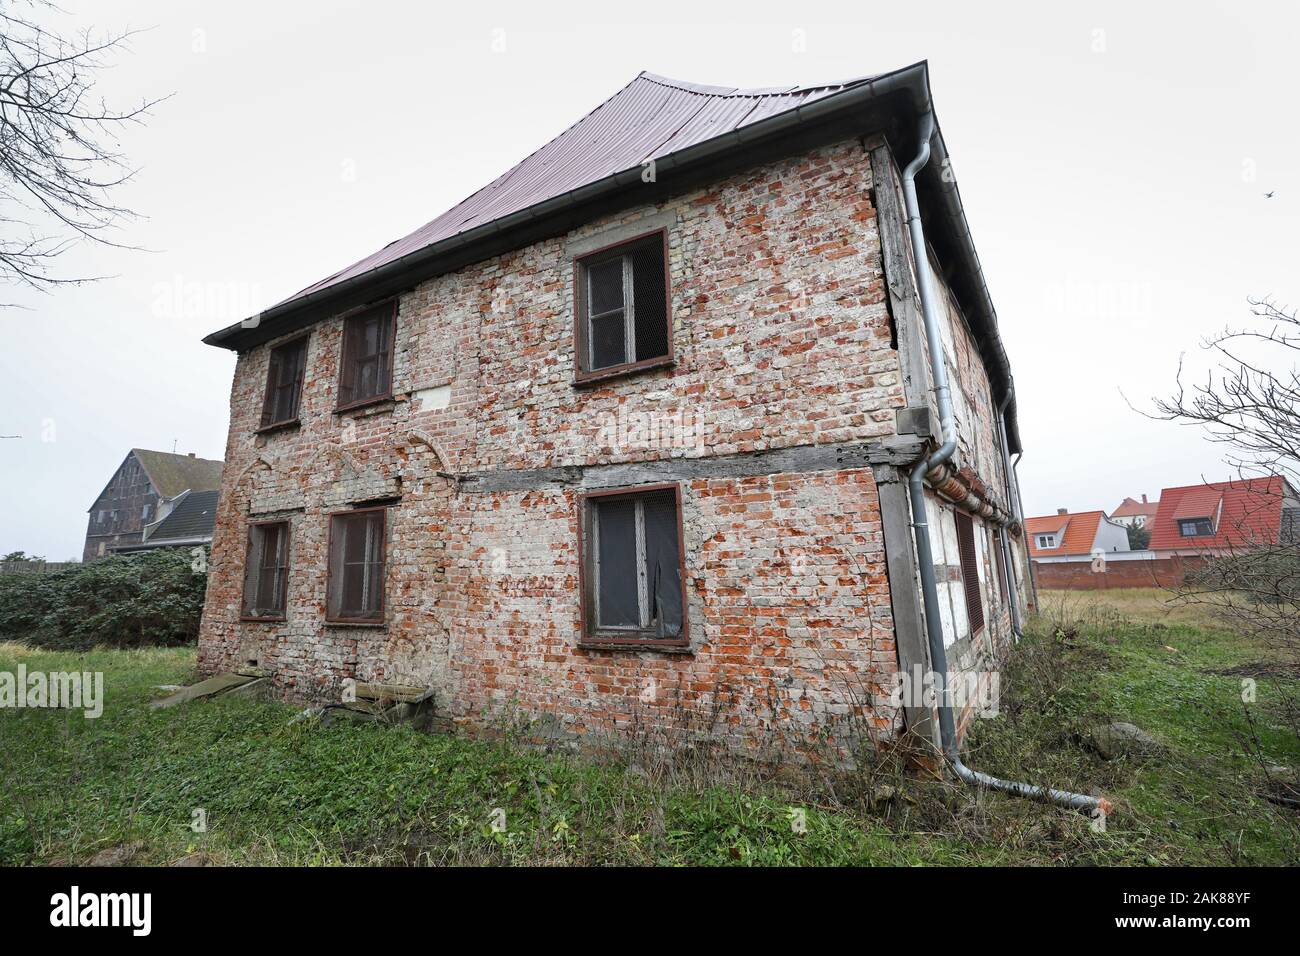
(632, 576)
(970, 575)
(355, 592)
(266, 571)
(284, 383)
(366, 363)
(623, 306)
(998, 543)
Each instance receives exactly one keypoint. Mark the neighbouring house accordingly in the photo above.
(624, 438)
(1080, 536)
(1225, 517)
(143, 492)
(1085, 549)
(1135, 514)
(1193, 522)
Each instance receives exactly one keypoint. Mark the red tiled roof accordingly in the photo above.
(1249, 512)
(1131, 508)
(1199, 503)
(1080, 532)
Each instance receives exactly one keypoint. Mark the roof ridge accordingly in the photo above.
(736, 92)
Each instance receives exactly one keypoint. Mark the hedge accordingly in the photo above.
(150, 598)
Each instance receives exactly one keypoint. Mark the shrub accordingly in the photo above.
(151, 598)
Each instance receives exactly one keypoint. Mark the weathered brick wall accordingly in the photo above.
(782, 339)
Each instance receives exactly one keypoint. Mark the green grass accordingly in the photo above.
(283, 792)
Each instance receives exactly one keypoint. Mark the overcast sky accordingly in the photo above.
(1113, 162)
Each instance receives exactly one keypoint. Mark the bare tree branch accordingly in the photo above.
(57, 169)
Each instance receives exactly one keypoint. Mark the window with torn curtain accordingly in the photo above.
(633, 583)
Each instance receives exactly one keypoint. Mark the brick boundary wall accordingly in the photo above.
(1079, 576)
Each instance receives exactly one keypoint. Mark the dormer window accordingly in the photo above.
(1047, 540)
(1196, 527)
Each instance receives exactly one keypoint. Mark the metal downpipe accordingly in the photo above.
(920, 524)
(1008, 567)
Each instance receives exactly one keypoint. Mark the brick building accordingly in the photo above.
(624, 437)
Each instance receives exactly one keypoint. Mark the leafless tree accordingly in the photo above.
(58, 164)
(1250, 402)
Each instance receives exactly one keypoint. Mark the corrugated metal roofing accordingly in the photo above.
(649, 118)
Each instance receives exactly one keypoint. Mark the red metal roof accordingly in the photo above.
(648, 119)
(1079, 537)
(1249, 513)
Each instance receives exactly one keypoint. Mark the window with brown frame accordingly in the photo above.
(355, 589)
(633, 584)
(284, 376)
(266, 571)
(622, 301)
(366, 362)
(970, 576)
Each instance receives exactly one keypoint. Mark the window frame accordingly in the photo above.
(581, 322)
(300, 341)
(382, 619)
(971, 586)
(590, 634)
(1196, 523)
(344, 358)
(288, 566)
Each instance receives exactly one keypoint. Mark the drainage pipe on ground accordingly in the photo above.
(916, 486)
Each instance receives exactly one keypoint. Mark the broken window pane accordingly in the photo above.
(649, 283)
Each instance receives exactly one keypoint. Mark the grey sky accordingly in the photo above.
(1113, 162)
